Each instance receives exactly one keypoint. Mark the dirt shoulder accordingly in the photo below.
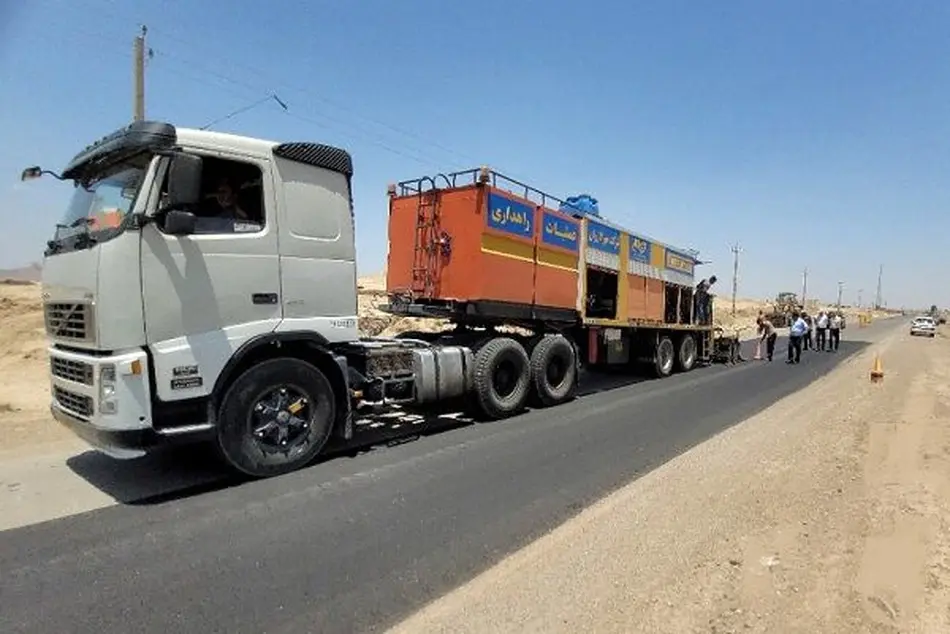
(828, 512)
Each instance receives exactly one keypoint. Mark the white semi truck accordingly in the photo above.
(220, 303)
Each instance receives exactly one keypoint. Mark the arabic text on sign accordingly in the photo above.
(554, 229)
(508, 216)
(680, 264)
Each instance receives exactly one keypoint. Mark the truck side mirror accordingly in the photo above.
(179, 223)
(184, 181)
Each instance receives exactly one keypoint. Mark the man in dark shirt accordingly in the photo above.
(703, 316)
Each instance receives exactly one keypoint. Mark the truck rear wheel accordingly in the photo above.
(501, 378)
(553, 370)
(275, 418)
(686, 358)
(664, 357)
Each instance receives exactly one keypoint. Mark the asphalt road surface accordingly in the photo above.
(355, 544)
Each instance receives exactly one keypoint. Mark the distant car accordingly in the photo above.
(925, 326)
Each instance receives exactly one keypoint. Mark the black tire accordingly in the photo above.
(243, 410)
(553, 371)
(687, 353)
(502, 378)
(664, 358)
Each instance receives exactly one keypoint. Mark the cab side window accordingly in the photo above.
(232, 198)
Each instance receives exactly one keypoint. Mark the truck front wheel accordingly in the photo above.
(501, 378)
(275, 418)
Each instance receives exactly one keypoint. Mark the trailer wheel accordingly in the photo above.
(664, 358)
(501, 378)
(687, 353)
(275, 418)
(553, 370)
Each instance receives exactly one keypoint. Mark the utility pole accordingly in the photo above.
(879, 298)
(840, 289)
(735, 275)
(138, 76)
(804, 285)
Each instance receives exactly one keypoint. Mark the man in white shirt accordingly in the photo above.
(834, 328)
(821, 326)
(797, 331)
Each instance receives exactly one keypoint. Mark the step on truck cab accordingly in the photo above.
(202, 287)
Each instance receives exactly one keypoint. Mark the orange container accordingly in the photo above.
(481, 243)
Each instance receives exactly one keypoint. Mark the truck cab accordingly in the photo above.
(184, 258)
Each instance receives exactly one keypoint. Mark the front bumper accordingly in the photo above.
(115, 420)
(117, 443)
(929, 332)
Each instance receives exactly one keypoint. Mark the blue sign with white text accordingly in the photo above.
(510, 216)
(603, 238)
(559, 232)
(640, 250)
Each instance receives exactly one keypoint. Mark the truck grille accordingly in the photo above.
(72, 370)
(69, 321)
(73, 403)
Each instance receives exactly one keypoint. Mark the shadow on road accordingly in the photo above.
(186, 471)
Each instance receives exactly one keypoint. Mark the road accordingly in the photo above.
(356, 544)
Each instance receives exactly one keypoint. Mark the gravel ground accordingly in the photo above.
(828, 512)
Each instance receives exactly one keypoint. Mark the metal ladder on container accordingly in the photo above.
(427, 248)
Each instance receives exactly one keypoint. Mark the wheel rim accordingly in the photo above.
(666, 355)
(689, 351)
(281, 419)
(556, 372)
(505, 378)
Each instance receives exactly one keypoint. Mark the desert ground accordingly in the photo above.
(24, 391)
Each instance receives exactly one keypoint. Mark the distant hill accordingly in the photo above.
(29, 273)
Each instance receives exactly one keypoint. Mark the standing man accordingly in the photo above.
(701, 299)
(835, 330)
(821, 326)
(768, 335)
(808, 339)
(795, 335)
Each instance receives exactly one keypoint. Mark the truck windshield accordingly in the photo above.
(97, 207)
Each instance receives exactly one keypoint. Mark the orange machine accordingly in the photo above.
(481, 238)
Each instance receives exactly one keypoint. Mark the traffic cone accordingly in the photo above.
(877, 372)
(758, 351)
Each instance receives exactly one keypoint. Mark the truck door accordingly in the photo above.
(206, 294)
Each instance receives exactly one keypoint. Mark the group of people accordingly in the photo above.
(806, 332)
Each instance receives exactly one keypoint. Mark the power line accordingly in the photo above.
(191, 63)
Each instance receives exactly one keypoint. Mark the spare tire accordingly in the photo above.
(553, 370)
(502, 378)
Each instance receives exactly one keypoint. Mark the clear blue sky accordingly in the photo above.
(815, 133)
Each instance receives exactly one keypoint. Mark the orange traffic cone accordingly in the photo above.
(877, 372)
(758, 351)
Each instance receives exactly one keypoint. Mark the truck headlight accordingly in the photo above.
(107, 402)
